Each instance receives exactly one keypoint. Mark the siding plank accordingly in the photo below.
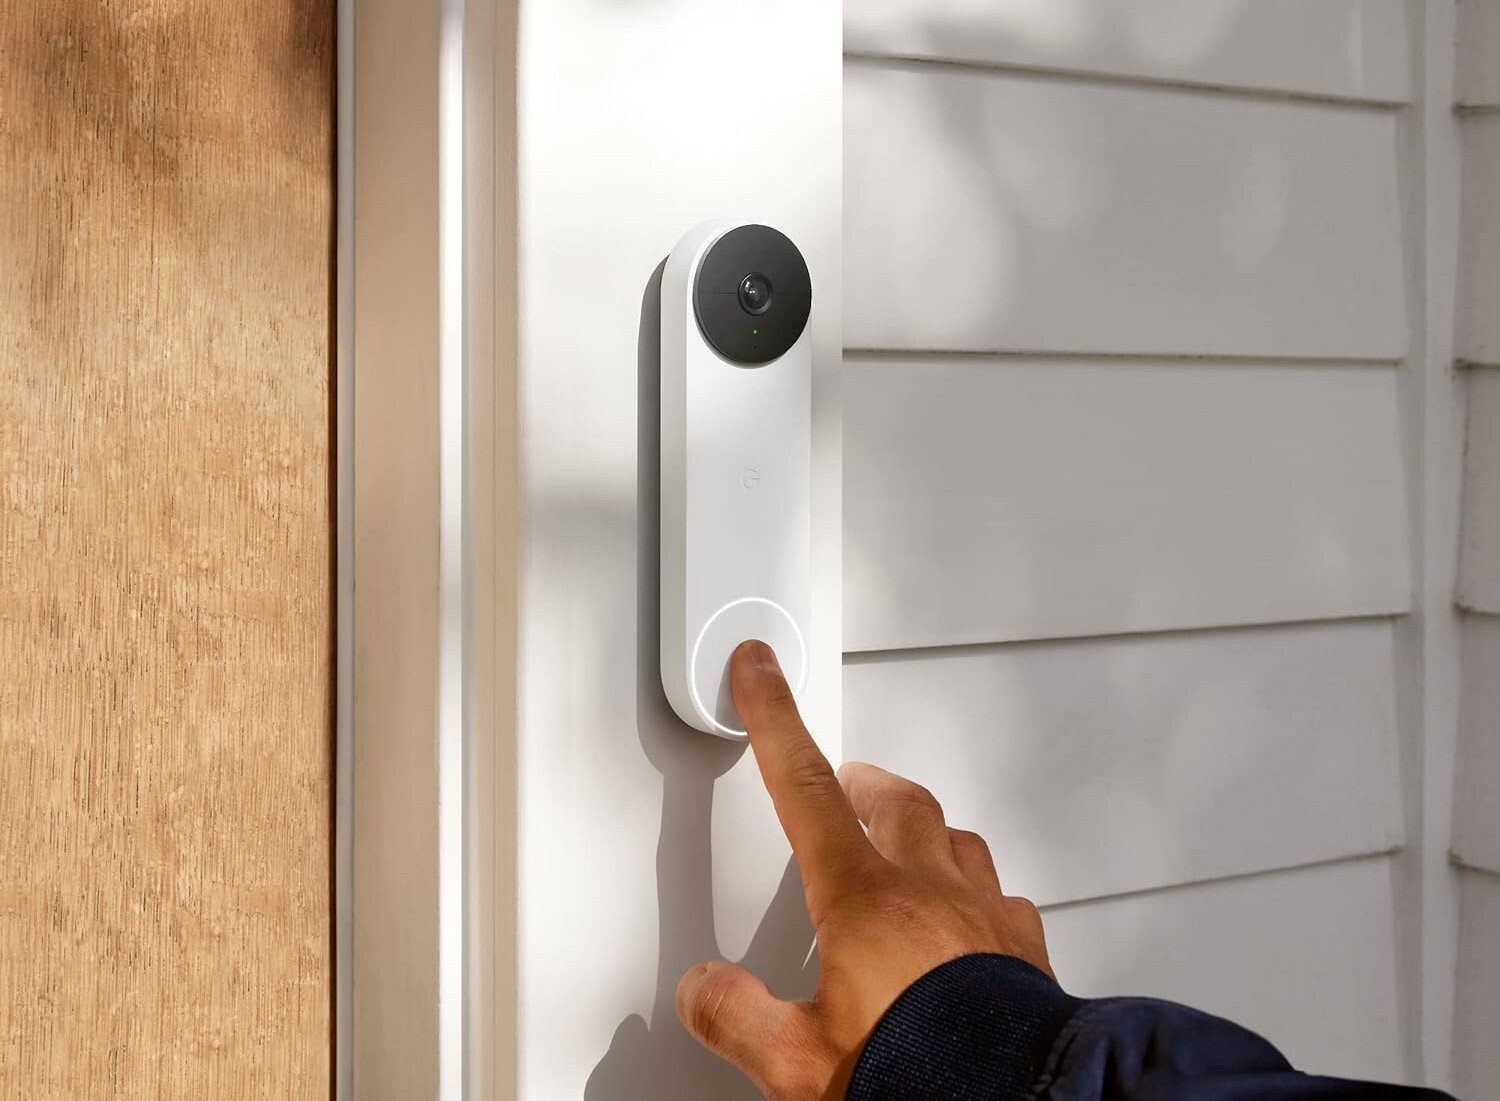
(1109, 765)
(1353, 48)
(1476, 1018)
(1479, 52)
(1074, 217)
(1476, 830)
(1306, 958)
(989, 501)
(1479, 246)
(1479, 571)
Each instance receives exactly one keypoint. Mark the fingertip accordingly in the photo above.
(756, 682)
(687, 988)
(735, 1015)
(756, 657)
(853, 774)
(725, 1007)
(852, 770)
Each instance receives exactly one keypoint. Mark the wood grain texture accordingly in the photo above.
(165, 538)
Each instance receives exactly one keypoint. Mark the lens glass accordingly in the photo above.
(755, 293)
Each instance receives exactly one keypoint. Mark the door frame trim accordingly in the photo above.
(425, 418)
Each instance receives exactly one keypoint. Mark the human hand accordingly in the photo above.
(887, 907)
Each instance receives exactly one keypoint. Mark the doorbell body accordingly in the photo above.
(736, 454)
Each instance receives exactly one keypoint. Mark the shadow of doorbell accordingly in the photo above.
(736, 451)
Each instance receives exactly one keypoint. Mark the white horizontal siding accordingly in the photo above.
(1479, 247)
(995, 211)
(1476, 1055)
(1306, 958)
(1479, 572)
(991, 499)
(1478, 52)
(1141, 432)
(1353, 48)
(1101, 766)
(1477, 817)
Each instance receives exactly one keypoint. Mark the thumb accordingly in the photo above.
(735, 1015)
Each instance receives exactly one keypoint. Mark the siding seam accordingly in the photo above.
(915, 653)
(896, 59)
(1225, 359)
(1458, 860)
(1462, 606)
(1233, 877)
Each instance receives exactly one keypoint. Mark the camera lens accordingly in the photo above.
(755, 293)
(752, 295)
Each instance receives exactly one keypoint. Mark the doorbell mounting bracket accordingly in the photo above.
(736, 455)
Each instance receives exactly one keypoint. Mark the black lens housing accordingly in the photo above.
(752, 295)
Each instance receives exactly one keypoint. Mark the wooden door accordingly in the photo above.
(165, 548)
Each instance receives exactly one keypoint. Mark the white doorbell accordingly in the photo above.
(736, 452)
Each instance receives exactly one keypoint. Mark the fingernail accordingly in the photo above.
(763, 657)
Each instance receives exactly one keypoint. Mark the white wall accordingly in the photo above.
(646, 847)
(1476, 840)
(1129, 322)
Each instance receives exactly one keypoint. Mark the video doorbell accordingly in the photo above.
(736, 449)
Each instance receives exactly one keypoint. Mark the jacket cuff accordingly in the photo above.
(977, 1027)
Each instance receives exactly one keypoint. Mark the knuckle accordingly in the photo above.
(807, 770)
(1023, 909)
(914, 800)
(780, 698)
(924, 833)
(969, 842)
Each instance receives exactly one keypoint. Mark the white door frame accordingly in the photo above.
(426, 576)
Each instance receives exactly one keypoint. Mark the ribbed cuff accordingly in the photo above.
(977, 1028)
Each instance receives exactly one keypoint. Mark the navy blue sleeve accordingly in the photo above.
(994, 1028)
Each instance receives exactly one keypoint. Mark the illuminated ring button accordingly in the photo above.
(708, 670)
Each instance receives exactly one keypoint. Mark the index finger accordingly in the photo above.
(826, 837)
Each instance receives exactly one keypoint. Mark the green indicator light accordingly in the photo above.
(755, 332)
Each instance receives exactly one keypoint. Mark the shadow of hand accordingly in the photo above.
(660, 1060)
